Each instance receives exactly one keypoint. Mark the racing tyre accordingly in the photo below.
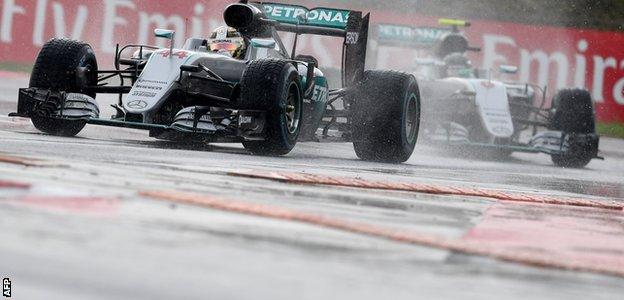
(273, 85)
(68, 66)
(386, 116)
(574, 113)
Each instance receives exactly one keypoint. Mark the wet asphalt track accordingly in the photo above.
(132, 247)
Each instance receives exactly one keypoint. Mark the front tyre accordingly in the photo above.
(58, 127)
(386, 116)
(575, 159)
(67, 66)
(273, 85)
(574, 114)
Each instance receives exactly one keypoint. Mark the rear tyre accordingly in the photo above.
(67, 66)
(273, 85)
(386, 116)
(574, 113)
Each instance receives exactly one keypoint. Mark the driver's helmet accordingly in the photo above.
(458, 65)
(228, 41)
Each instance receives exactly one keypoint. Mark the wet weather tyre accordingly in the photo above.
(274, 86)
(67, 66)
(386, 116)
(574, 114)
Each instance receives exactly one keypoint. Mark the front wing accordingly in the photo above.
(548, 142)
(197, 122)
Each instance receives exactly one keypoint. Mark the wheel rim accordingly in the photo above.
(292, 109)
(411, 118)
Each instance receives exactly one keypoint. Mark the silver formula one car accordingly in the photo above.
(268, 99)
(464, 106)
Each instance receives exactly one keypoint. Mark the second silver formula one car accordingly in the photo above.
(463, 106)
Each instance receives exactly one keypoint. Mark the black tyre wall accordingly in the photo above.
(379, 111)
(265, 86)
(574, 114)
(57, 63)
(58, 67)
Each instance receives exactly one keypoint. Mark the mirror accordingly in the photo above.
(164, 33)
(507, 69)
(263, 43)
(466, 92)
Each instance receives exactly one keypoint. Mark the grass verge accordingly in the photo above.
(611, 129)
(15, 67)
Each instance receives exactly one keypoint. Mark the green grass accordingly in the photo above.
(611, 129)
(16, 67)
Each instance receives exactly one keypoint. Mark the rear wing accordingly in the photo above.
(349, 25)
(409, 36)
(319, 18)
(441, 40)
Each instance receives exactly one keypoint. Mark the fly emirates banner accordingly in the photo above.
(546, 56)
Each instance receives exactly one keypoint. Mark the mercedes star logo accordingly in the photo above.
(137, 104)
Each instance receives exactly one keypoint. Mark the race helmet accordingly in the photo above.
(458, 65)
(227, 40)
